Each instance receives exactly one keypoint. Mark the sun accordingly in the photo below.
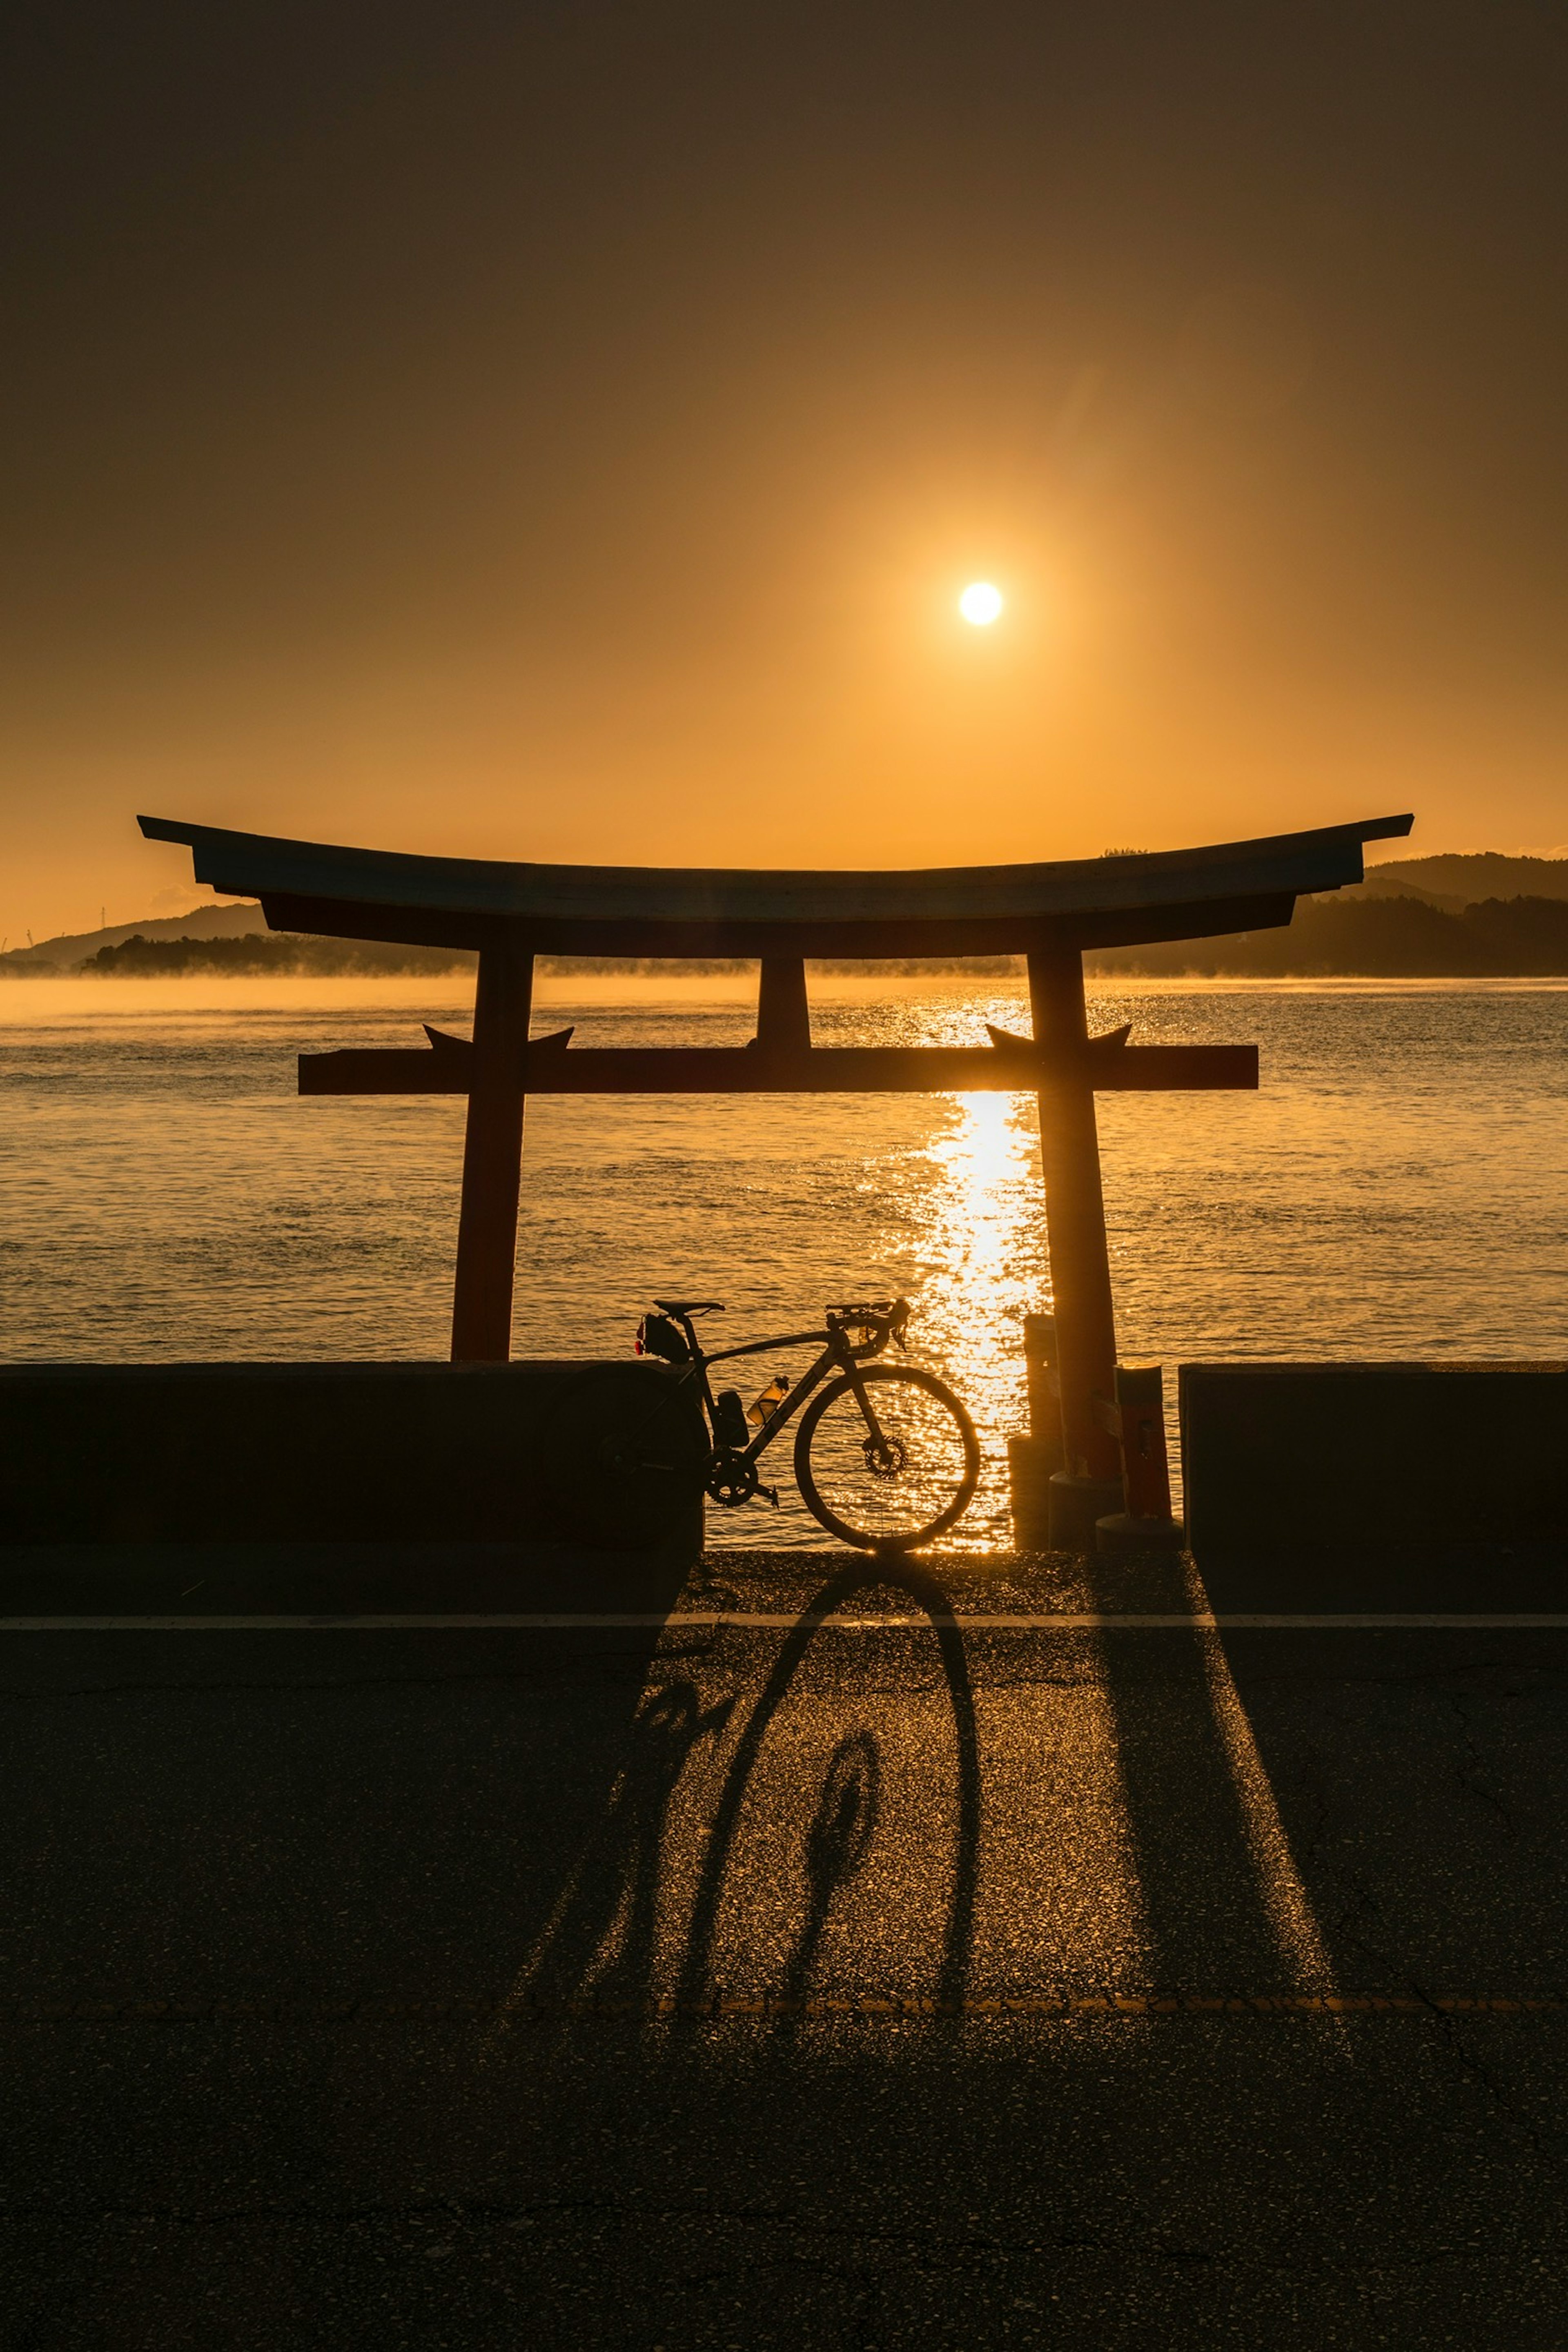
(981, 603)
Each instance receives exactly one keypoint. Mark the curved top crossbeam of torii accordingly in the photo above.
(1086, 902)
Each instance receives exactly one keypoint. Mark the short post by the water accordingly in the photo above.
(1139, 1419)
(1033, 1458)
(1140, 1408)
(1089, 1483)
(492, 1155)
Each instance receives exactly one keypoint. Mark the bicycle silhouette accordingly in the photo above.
(884, 1456)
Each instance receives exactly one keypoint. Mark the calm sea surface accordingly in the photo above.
(1398, 1188)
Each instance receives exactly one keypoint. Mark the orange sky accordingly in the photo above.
(569, 437)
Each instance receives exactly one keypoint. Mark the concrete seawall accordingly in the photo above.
(245, 1453)
(1424, 1484)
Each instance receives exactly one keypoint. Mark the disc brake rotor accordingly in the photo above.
(884, 1457)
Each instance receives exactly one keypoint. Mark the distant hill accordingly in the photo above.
(63, 954)
(1392, 938)
(1455, 881)
(231, 938)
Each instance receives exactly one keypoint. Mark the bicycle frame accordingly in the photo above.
(838, 1355)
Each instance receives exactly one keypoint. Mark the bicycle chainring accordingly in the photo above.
(731, 1479)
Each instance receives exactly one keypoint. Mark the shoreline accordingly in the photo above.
(66, 998)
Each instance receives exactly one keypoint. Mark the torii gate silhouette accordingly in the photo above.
(1048, 913)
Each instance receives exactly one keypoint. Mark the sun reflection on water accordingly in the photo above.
(982, 1249)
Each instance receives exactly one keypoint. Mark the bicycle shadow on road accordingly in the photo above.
(840, 1831)
(602, 1934)
(636, 1922)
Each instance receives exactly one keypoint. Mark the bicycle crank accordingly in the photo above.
(731, 1479)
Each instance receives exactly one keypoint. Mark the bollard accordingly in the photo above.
(1144, 1523)
(1079, 1507)
(1032, 1460)
(1078, 1501)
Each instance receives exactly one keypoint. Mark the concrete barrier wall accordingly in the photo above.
(401, 1453)
(1336, 1459)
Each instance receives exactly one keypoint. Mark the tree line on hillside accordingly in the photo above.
(261, 955)
(1375, 939)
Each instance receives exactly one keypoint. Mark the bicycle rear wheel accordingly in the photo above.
(903, 1489)
(623, 1458)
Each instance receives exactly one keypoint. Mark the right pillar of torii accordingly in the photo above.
(1080, 1252)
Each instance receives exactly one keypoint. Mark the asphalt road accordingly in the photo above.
(807, 1983)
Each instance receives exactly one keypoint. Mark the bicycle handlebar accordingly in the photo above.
(887, 1319)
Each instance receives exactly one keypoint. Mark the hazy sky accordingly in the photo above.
(565, 431)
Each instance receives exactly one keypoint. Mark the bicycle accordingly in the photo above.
(886, 1457)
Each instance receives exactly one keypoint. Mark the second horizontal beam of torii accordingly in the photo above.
(1009, 1065)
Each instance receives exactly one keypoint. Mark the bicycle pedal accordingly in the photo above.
(771, 1494)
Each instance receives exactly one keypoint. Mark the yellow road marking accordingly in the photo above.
(784, 1621)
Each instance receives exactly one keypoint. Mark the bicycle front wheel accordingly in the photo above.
(899, 1485)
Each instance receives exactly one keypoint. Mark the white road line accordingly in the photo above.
(785, 1621)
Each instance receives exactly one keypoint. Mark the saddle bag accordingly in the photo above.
(658, 1336)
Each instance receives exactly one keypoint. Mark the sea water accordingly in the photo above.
(1397, 1187)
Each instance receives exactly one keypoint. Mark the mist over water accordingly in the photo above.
(1396, 1189)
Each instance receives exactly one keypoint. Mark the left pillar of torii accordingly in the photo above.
(493, 1153)
(495, 1074)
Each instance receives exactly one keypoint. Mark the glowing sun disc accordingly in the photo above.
(981, 603)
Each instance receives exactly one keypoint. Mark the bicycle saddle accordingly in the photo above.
(689, 1306)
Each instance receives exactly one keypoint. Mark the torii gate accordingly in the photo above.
(1048, 913)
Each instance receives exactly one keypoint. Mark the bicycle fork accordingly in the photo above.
(863, 1399)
